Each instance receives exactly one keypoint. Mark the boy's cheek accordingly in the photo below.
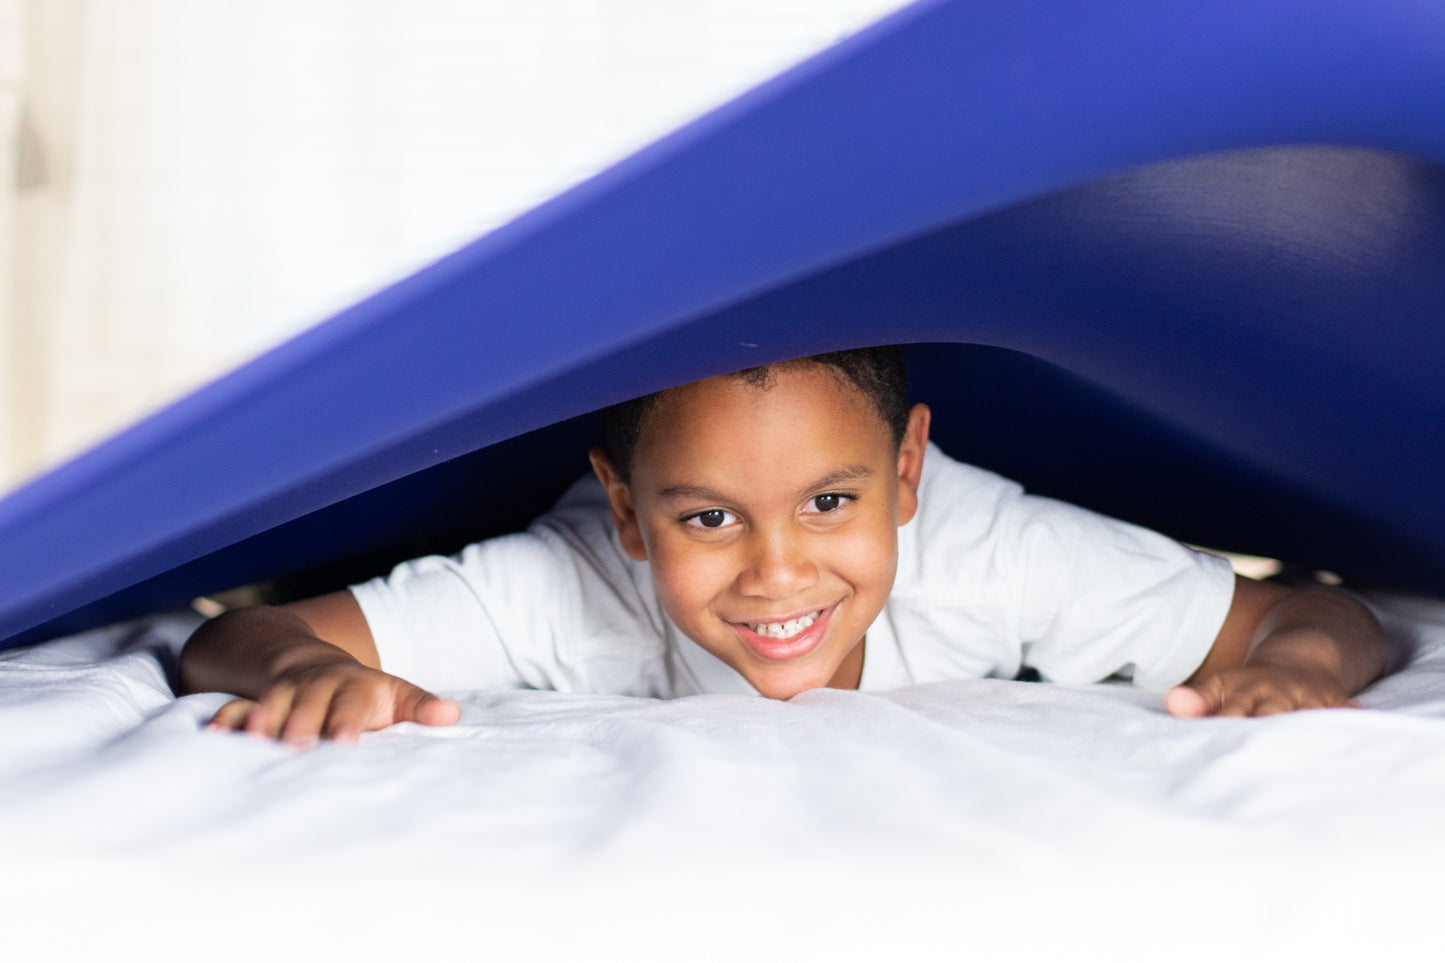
(873, 556)
(683, 579)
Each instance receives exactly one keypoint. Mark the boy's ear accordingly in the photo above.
(910, 461)
(619, 500)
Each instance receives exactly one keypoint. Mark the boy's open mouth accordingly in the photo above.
(784, 630)
(778, 641)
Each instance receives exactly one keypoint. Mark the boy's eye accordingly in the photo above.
(712, 518)
(830, 502)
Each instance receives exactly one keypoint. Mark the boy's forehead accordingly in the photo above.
(805, 399)
(792, 386)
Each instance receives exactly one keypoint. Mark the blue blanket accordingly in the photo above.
(1183, 263)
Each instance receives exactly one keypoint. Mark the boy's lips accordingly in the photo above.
(806, 629)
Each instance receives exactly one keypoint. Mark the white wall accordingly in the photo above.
(206, 177)
(11, 69)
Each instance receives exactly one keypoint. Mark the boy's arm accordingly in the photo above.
(304, 670)
(1281, 649)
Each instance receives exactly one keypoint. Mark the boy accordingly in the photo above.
(773, 531)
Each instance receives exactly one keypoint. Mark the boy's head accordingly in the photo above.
(767, 504)
(878, 373)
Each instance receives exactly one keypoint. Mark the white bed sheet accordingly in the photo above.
(1024, 818)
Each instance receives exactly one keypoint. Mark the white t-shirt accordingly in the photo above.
(989, 579)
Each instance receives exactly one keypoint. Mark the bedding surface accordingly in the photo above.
(842, 820)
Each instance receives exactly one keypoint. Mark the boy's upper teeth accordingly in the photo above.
(785, 630)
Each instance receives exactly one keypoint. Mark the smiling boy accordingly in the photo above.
(773, 531)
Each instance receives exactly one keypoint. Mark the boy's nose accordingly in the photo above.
(779, 568)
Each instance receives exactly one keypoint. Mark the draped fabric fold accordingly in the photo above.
(1187, 258)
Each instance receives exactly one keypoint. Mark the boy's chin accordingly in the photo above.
(783, 694)
(785, 687)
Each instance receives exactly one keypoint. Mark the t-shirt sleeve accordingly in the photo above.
(488, 618)
(556, 607)
(1100, 597)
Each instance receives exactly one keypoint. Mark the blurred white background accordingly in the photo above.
(184, 183)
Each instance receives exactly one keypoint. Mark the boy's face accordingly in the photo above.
(770, 518)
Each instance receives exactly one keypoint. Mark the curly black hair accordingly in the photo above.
(879, 373)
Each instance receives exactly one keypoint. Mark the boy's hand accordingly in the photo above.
(333, 701)
(1282, 649)
(309, 669)
(1256, 690)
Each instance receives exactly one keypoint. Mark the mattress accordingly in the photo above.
(1009, 818)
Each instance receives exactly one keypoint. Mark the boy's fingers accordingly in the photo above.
(232, 715)
(266, 719)
(1251, 693)
(1273, 706)
(1246, 706)
(438, 712)
(1238, 702)
(354, 710)
(298, 715)
(418, 705)
(307, 714)
(1187, 702)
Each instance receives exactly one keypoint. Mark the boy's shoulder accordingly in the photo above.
(943, 470)
(956, 496)
(580, 527)
(580, 513)
(958, 547)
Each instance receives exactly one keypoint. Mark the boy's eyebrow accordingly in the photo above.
(848, 473)
(701, 493)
